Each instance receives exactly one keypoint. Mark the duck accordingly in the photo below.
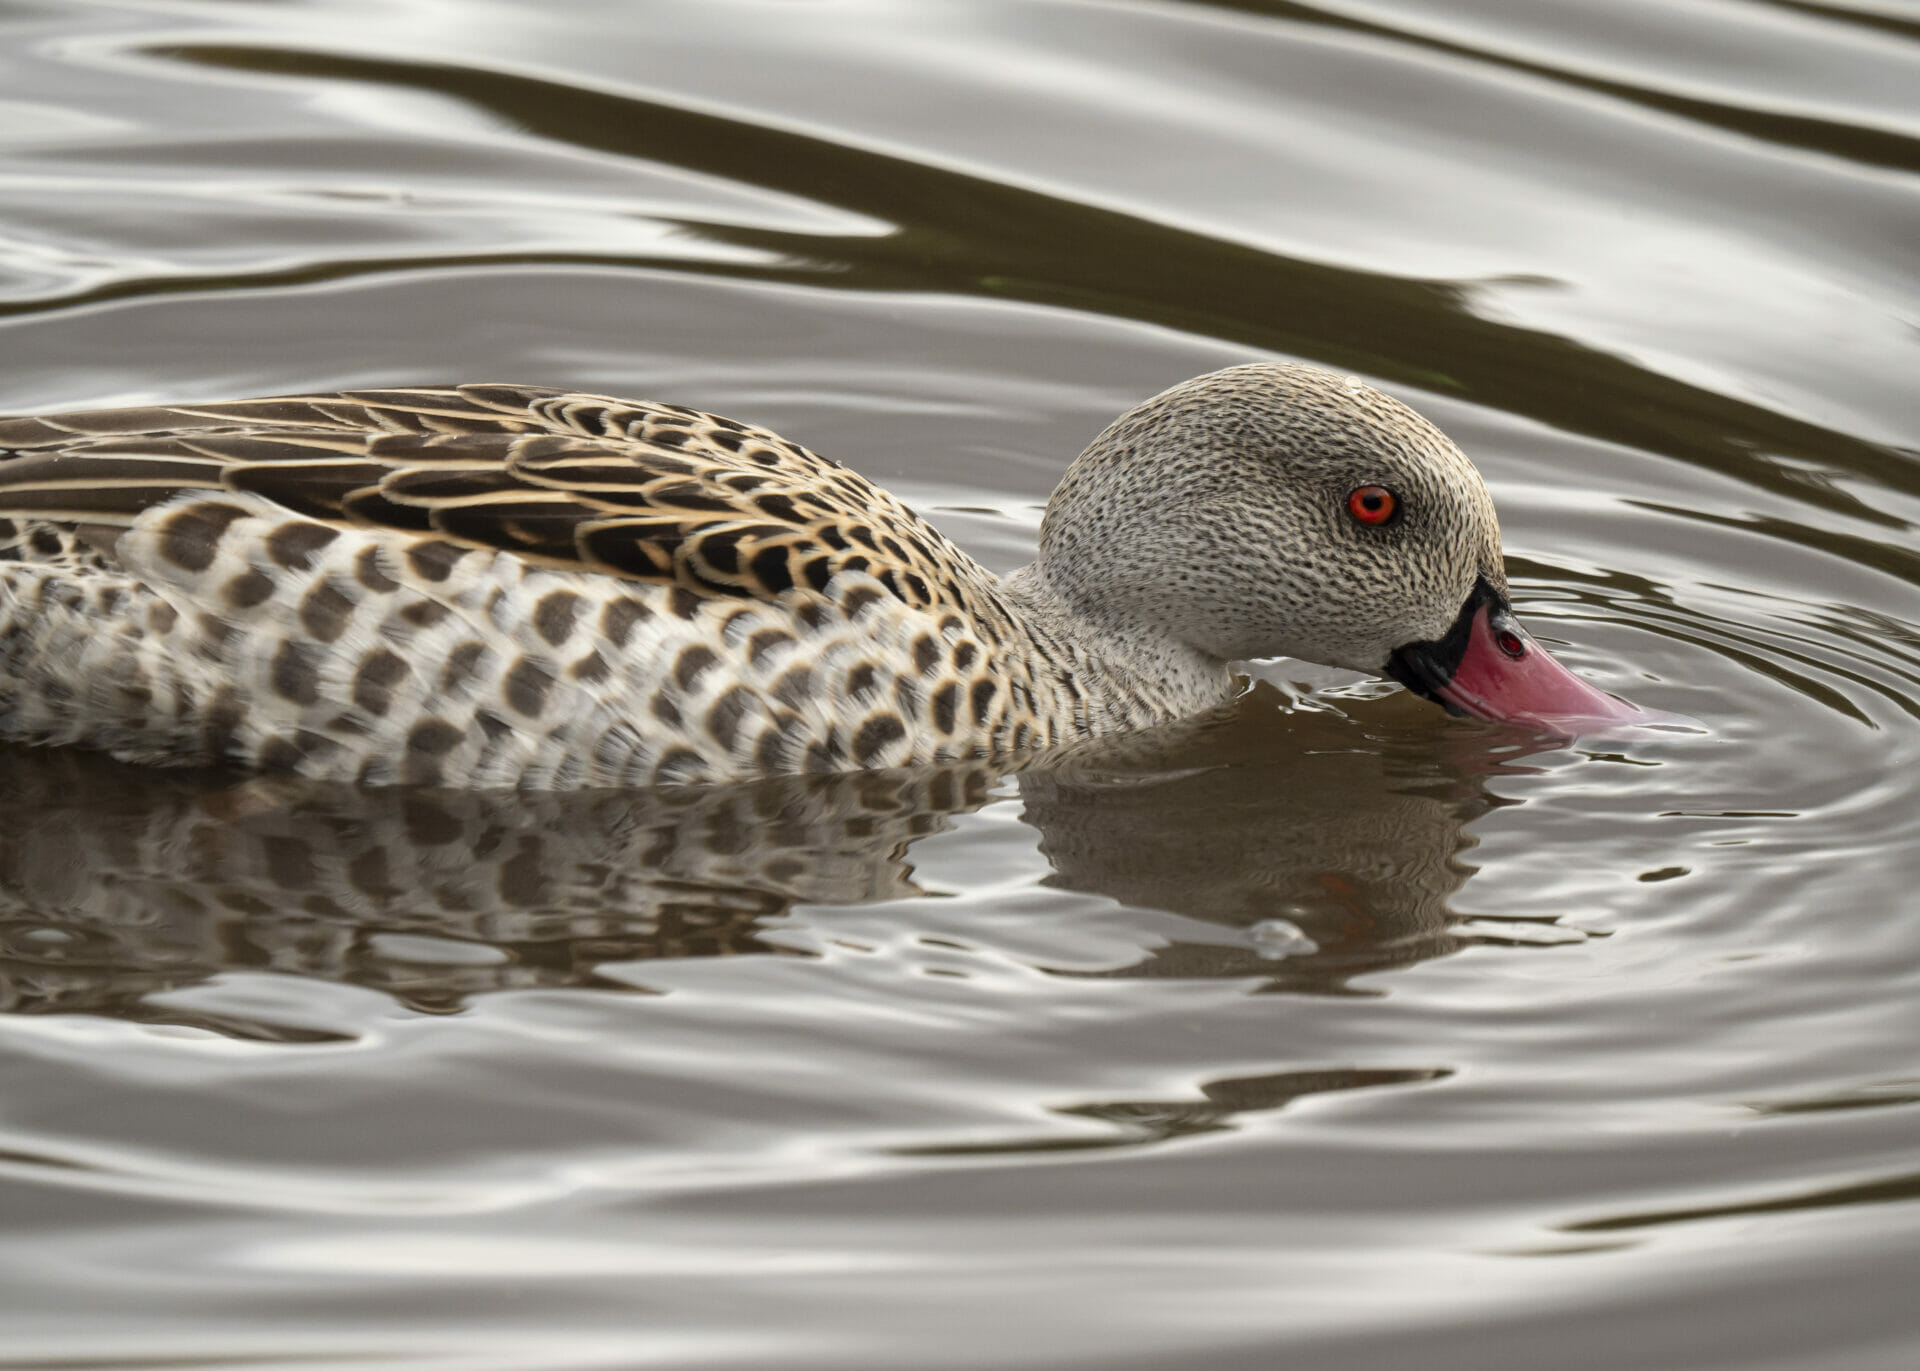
(492, 585)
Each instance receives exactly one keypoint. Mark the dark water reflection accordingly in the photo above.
(1300, 1034)
(969, 235)
(1324, 845)
(1332, 840)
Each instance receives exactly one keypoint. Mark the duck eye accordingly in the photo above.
(1373, 504)
(1509, 643)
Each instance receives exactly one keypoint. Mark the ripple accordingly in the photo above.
(1007, 244)
(1890, 1190)
(1291, 1027)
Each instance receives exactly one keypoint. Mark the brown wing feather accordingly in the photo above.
(644, 491)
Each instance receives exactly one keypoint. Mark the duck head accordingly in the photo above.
(1278, 510)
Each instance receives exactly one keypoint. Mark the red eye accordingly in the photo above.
(1372, 504)
(1510, 643)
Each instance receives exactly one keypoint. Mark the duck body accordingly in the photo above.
(505, 586)
(493, 585)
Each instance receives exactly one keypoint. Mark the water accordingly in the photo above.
(1328, 1030)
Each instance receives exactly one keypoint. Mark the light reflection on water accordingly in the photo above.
(1302, 1031)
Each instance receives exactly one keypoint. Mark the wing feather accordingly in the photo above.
(648, 492)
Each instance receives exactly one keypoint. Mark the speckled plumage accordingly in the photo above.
(510, 586)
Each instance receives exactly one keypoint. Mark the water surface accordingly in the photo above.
(1326, 1029)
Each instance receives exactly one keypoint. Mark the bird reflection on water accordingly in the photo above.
(1303, 846)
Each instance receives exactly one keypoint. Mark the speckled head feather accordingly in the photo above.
(504, 585)
(1216, 512)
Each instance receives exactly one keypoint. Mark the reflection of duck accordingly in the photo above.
(1325, 842)
(496, 585)
(118, 883)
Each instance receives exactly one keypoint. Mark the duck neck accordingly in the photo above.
(1124, 675)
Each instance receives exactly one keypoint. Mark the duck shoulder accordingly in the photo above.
(645, 492)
